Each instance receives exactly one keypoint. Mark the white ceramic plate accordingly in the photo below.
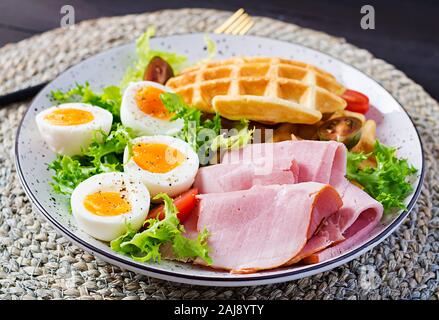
(32, 155)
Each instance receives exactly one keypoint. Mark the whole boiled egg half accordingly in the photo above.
(163, 163)
(143, 111)
(103, 205)
(71, 127)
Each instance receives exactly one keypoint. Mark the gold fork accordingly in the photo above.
(238, 23)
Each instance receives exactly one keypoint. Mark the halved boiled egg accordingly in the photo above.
(162, 163)
(143, 111)
(104, 204)
(71, 127)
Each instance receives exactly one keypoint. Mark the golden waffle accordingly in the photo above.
(261, 89)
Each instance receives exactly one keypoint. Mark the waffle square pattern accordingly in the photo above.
(269, 90)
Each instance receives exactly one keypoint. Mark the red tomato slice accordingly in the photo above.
(185, 203)
(357, 102)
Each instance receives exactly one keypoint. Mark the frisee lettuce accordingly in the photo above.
(69, 172)
(144, 54)
(145, 245)
(236, 139)
(105, 154)
(106, 151)
(202, 133)
(110, 98)
(388, 181)
(194, 123)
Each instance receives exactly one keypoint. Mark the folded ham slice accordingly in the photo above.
(263, 227)
(351, 242)
(226, 177)
(323, 162)
(359, 215)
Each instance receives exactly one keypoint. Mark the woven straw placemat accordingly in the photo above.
(37, 263)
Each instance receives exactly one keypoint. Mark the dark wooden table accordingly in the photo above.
(406, 33)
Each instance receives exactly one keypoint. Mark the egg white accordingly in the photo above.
(142, 123)
(107, 228)
(172, 182)
(70, 140)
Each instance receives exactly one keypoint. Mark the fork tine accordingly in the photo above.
(236, 23)
(246, 28)
(242, 25)
(229, 21)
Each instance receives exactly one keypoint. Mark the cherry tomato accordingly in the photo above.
(357, 102)
(158, 70)
(185, 203)
(342, 129)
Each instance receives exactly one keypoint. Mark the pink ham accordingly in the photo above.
(342, 231)
(318, 161)
(263, 227)
(323, 162)
(241, 176)
(349, 244)
(358, 217)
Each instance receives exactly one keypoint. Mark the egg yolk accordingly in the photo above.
(156, 157)
(69, 117)
(107, 203)
(148, 101)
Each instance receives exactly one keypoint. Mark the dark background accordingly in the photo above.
(406, 34)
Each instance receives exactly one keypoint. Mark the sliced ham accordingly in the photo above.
(226, 177)
(358, 216)
(349, 244)
(323, 162)
(319, 161)
(356, 220)
(263, 227)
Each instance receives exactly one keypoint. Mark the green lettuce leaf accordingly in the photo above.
(144, 54)
(110, 99)
(388, 182)
(105, 154)
(145, 245)
(236, 139)
(106, 151)
(196, 130)
(69, 172)
(184, 247)
(115, 244)
(211, 48)
(203, 133)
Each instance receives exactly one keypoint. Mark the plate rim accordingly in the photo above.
(208, 280)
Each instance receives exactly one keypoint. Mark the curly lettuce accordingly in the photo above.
(194, 123)
(203, 133)
(105, 154)
(387, 182)
(147, 244)
(106, 150)
(236, 139)
(69, 172)
(110, 99)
